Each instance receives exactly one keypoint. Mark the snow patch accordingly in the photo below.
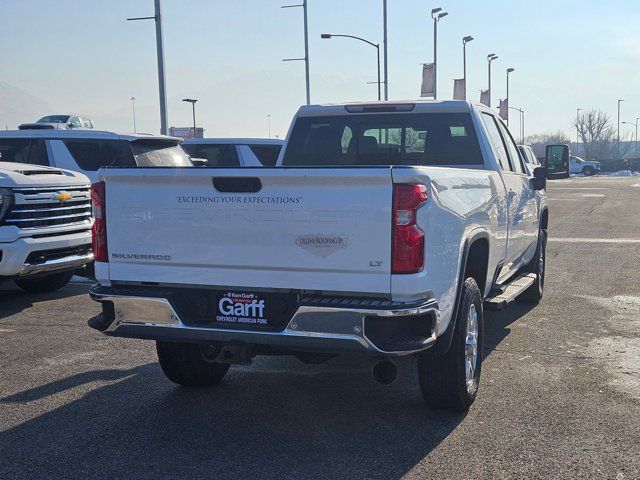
(620, 351)
(623, 173)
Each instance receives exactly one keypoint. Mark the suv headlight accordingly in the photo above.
(6, 200)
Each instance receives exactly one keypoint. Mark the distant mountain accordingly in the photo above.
(18, 106)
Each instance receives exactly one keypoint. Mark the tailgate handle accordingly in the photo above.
(237, 184)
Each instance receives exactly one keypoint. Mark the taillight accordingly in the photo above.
(99, 230)
(408, 239)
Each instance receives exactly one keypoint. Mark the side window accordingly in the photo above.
(75, 122)
(512, 150)
(221, 155)
(267, 154)
(86, 123)
(90, 155)
(38, 153)
(496, 141)
(23, 150)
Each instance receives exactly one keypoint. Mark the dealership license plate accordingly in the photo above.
(242, 308)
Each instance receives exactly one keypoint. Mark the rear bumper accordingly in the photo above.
(391, 329)
(34, 256)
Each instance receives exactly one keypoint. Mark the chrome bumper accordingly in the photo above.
(70, 262)
(315, 328)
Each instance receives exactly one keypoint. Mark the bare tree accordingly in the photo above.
(599, 136)
(539, 141)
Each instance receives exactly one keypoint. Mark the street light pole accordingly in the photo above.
(327, 36)
(133, 107)
(269, 125)
(386, 62)
(160, 55)
(192, 101)
(306, 47)
(465, 40)
(436, 14)
(490, 58)
(618, 144)
(509, 70)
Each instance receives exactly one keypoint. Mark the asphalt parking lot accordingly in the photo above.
(559, 397)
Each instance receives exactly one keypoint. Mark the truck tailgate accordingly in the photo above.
(305, 228)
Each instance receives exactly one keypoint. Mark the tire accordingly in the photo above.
(534, 293)
(50, 283)
(190, 364)
(588, 171)
(446, 380)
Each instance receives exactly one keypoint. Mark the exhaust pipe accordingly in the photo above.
(385, 372)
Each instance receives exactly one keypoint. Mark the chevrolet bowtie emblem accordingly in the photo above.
(62, 197)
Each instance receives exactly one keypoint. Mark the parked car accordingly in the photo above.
(391, 230)
(529, 158)
(85, 151)
(58, 122)
(234, 152)
(587, 168)
(45, 220)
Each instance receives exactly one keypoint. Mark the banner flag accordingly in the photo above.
(484, 97)
(504, 109)
(427, 80)
(458, 89)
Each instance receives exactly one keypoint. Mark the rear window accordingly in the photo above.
(395, 139)
(23, 150)
(159, 153)
(90, 155)
(267, 154)
(216, 155)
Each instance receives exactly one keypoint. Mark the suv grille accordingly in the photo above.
(36, 208)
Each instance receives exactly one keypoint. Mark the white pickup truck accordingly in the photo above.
(45, 221)
(386, 228)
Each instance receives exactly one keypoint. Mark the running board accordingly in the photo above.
(510, 292)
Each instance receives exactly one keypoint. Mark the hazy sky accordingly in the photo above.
(82, 56)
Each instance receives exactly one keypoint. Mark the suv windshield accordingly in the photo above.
(54, 119)
(159, 153)
(391, 139)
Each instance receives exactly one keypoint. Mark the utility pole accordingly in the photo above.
(386, 62)
(192, 101)
(306, 47)
(160, 55)
(269, 125)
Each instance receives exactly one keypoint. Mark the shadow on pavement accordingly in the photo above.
(277, 419)
(497, 324)
(14, 300)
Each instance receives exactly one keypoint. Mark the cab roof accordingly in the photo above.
(81, 134)
(395, 106)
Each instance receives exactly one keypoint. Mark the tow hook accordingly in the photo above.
(384, 372)
(239, 353)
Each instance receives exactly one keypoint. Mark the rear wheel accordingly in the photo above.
(534, 293)
(451, 380)
(191, 364)
(50, 283)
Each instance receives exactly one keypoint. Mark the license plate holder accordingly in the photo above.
(242, 309)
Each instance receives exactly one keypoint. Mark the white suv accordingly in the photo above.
(85, 151)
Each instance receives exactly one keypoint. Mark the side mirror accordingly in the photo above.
(557, 161)
(539, 180)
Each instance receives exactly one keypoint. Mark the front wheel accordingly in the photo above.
(588, 171)
(191, 364)
(50, 283)
(451, 380)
